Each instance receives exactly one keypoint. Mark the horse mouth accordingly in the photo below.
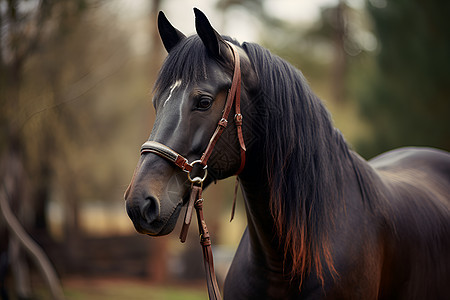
(158, 227)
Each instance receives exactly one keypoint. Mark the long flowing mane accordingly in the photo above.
(306, 157)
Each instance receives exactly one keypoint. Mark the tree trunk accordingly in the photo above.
(11, 191)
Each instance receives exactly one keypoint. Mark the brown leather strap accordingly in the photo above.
(234, 96)
(195, 192)
(233, 207)
(238, 117)
(208, 261)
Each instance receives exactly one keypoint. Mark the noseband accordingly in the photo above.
(195, 199)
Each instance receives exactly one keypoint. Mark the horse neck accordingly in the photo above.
(265, 243)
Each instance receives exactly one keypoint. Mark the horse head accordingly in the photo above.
(189, 98)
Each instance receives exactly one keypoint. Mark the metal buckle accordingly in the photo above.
(238, 119)
(197, 180)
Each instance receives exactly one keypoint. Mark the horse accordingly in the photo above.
(322, 222)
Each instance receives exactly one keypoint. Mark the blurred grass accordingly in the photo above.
(129, 290)
(85, 289)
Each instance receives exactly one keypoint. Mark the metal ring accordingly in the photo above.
(197, 179)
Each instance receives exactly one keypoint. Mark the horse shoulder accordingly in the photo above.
(416, 196)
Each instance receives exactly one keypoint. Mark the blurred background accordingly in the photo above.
(75, 106)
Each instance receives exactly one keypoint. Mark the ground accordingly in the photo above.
(119, 289)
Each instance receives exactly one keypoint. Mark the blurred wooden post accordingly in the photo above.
(158, 260)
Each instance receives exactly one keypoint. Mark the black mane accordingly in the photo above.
(307, 157)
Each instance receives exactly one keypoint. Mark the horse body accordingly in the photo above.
(378, 254)
(416, 238)
(322, 222)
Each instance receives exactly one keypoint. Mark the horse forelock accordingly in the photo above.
(186, 63)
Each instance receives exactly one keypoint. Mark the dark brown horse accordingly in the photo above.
(322, 222)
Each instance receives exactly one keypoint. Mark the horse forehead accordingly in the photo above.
(172, 88)
(212, 75)
(166, 95)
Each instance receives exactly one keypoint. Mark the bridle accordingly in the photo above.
(195, 199)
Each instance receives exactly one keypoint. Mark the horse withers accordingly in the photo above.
(322, 222)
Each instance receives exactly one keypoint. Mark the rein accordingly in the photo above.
(195, 199)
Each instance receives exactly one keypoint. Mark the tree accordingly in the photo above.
(24, 27)
(407, 97)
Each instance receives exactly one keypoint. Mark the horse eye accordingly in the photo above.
(204, 103)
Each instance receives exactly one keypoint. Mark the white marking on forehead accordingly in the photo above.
(172, 88)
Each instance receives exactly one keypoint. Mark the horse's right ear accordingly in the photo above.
(170, 36)
(210, 37)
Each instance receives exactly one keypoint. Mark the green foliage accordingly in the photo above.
(134, 291)
(407, 97)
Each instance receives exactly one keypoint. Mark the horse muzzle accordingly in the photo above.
(147, 217)
(155, 197)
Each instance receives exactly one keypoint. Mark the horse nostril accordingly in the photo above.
(150, 210)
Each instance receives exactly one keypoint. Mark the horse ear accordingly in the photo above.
(211, 39)
(170, 36)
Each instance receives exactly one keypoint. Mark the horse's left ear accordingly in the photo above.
(211, 39)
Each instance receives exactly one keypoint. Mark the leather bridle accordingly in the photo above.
(195, 199)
